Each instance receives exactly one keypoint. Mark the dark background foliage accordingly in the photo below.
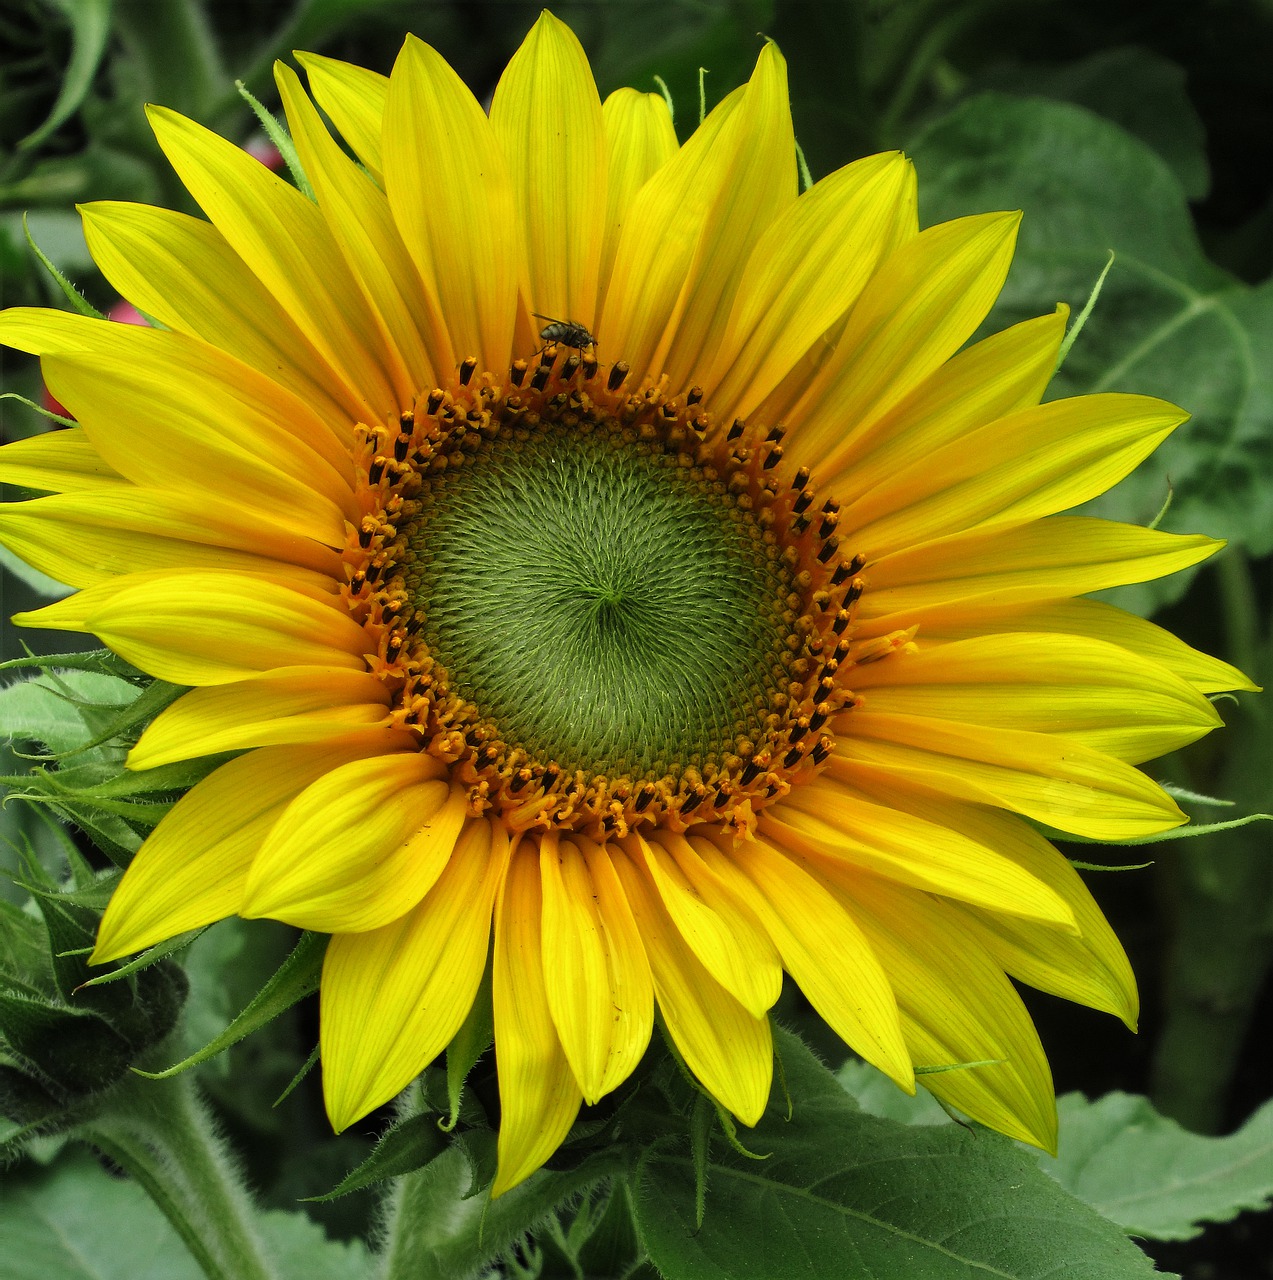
(1146, 128)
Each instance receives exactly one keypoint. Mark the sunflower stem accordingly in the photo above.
(160, 1133)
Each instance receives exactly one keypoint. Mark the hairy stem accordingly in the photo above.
(159, 1132)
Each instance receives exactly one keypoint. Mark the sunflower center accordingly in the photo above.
(609, 609)
(602, 609)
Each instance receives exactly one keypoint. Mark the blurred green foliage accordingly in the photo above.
(1146, 129)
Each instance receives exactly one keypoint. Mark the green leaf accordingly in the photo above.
(74, 1221)
(1169, 322)
(405, 1146)
(1155, 1179)
(848, 1194)
(876, 1094)
(301, 1250)
(1138, 90)
(296, 978)
(90, 26)
(38, 710)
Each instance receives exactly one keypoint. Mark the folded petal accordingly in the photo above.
(193, 869)
(547, 117)
(640, 139)
(416, 345)
(1057, 782)
(1087, 965)
(1016, 564)
(354, 97)
(453, 201)
(60, 461)
(1094, 620)
(90, 536)
(824, 819)
(282, 238)
(803, 275)
(360, 847)
(958, 1008)
(182, 271)
(729, 1050)
(1001, 374)
(821, 947)
(209, 627)
(538, 1095)
(918, 310)
(720, 929)
(1028, 464)
(1088, 691)
(394, 997)
(596, 974)
(759, 182)
(660, 237)
(276, 708)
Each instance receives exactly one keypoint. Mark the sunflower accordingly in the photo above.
(614, 567)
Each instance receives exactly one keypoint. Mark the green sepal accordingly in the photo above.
(700, 1149)
(405, 1146)
(69, 1051)
(296, 978)
(77, 300)
(103, 661)
(306, 1067)
(152, 955)
(280, 137)
(474, 1037)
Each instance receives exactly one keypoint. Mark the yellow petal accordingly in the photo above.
(416, 345)
(91, 536)
(640, 139)
(1060, 783)
(821, 947)
(903, 227)
(631, 983)
(276, 708)
(1096, 621)
(547, 117)
(393, 997)
(208, 627)
(358, 848)
(595, 972)
(283, 239)
(660, 237)
(354, 98)
(180, 270)
(957, 1007)
(538, 1096)
(1020, 467)
(999, 375)
(723, 933)
(1085, 690)
(826, 820)
(192, 870)
(452, 199)
(60, 461)
(917, 311)
(729, 1050)
(196, 418)
(1015, 564)
(759, 184)
(804, 274)
(1088, 966)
